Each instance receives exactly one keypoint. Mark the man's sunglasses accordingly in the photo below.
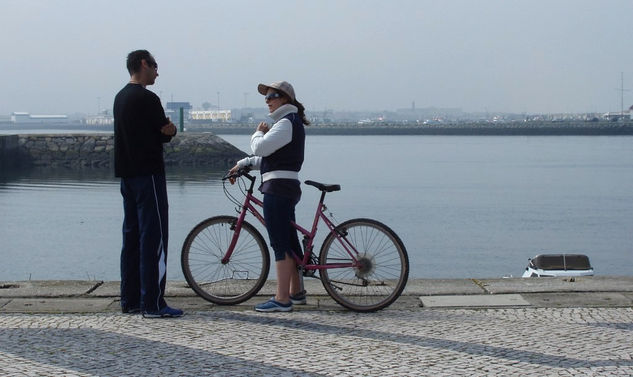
(272, 96)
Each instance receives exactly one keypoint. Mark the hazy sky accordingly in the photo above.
(534, 56)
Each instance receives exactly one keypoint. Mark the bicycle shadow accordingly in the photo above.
(476, 349)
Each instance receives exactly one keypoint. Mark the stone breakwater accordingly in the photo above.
(97, 150)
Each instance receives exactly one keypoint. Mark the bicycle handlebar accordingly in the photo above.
(240, 172)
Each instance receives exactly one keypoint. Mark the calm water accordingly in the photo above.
(464, 206)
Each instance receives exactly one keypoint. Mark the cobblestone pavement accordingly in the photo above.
(444, 342)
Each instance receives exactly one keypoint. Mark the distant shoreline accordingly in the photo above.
(458, 129)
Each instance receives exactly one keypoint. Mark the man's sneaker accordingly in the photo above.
(273, 306)
(298, 298)
(165, 312)
(134, 310)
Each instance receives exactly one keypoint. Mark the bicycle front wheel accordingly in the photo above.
(380, 274)
(230, 281)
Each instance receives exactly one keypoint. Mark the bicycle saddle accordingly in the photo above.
(323, 186)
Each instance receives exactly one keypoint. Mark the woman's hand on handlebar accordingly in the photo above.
(233, 173)
(238, 171)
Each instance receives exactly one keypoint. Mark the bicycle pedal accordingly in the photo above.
(309, 273)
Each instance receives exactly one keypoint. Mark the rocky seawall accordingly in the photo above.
(85, 150)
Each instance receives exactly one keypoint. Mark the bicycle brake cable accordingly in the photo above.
(330, 214)
(241, 185)
(231, 197)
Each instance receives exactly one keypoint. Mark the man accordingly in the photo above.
(140, 129)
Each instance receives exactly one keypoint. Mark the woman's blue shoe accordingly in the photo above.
(273, 306)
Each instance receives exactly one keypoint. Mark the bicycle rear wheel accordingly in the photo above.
(224, 283)
(383, 267)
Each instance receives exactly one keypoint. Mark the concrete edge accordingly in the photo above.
(415, 287)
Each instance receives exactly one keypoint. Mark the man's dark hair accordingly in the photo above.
(134, 60)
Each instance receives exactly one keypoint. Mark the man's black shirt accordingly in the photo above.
(138, 142)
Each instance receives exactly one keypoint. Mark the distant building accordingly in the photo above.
(210, 115)
(22, 117)
(99, 120)
(175, 106)
(616, 116)
(172, 110)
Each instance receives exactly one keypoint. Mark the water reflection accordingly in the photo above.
(46, 177)
(66, 223)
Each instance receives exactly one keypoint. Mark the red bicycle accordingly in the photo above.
(363, 265)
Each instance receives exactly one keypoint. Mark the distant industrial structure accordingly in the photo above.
(619, 115)
(172, 110)
(103, 119)
(210, 115)
(24, 117)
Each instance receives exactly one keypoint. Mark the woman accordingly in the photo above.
(278, 154)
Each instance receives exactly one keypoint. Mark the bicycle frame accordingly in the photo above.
(309, 236)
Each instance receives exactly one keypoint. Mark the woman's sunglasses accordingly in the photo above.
(272, 96)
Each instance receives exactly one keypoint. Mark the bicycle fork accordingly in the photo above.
(236, 234)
